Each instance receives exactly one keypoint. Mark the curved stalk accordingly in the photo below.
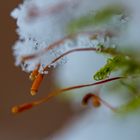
(27, 106)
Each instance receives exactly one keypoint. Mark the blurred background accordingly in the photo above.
(35, 124)
(55, 117)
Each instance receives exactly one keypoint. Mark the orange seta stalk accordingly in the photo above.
(38, 78)
(52, 46)
(61, 41)
(21, 108)
(37, 82)
(34, 12)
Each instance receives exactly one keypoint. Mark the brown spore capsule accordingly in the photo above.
(21, 108)
(36, 84)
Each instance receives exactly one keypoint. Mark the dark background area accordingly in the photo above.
(38, 122)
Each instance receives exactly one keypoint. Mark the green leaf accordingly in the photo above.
(105, 71)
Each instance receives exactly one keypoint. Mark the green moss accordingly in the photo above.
(105, 71)
(133, 105)
(100, 17)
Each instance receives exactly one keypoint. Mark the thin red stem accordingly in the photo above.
(59, 42)
(69, 52)
(51, 10)
(57, 92)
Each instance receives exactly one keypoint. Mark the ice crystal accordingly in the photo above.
(42, 23)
